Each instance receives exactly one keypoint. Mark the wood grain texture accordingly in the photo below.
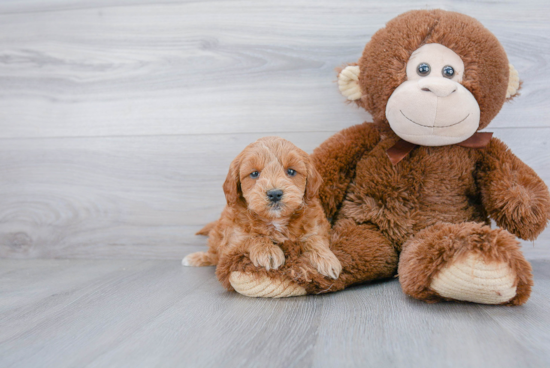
(143, 197)
(118, 119)
(144, 313)
(99, 68)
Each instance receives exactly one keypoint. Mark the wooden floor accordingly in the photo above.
(118, 121)
(156, 313)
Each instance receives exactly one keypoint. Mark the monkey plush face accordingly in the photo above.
(431, 107)
(434, 77)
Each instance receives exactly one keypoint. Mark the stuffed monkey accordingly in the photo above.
(413, 192)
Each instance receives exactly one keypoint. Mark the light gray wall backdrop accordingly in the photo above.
(118, 118)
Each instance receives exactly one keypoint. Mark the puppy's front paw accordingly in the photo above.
(326, 263)
(270, 257)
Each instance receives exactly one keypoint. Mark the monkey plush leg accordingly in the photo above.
(466, 262)
(365, 255)
(237, 272)
(260, 286)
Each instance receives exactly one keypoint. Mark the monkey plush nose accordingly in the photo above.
(274, 195)
(440, 87)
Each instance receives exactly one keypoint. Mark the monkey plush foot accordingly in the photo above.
(473, 279)
(465, 262)
(260, 286)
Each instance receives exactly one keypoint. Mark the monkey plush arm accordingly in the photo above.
(336, 158)
(512, 193)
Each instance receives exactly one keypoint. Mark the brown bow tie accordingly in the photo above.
(402, 148)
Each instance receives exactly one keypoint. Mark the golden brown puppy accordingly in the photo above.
(271, 191)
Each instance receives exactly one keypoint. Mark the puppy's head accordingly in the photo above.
(271, 177)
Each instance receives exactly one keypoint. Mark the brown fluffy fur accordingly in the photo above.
(253, 226)
(384, 60)
(436, 203)
(432, 248)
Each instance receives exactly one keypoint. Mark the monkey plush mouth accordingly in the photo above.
(428, 126)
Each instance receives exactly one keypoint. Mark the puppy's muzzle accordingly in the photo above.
(274, 195)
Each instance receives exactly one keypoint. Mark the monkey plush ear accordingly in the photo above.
(513, 83)
(348, 82)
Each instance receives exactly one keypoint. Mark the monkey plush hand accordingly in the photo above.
(413, 192)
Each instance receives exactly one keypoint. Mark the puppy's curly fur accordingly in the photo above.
(257, 226)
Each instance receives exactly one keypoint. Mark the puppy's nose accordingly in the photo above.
(274, 195)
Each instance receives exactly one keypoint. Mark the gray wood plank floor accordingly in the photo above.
(118, 120)
(155, 313)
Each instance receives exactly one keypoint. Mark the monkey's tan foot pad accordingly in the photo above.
(259, 286)
(474, 280)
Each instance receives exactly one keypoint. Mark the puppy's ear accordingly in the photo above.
(313, 181)
(232, 184)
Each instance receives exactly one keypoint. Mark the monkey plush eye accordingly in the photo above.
(291, 172)
(255, 175)
(448, 71)
(423, 69)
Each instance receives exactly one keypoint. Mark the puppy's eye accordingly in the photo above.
(423, 69)
(255, 175)
(448, 71)
(291, 172)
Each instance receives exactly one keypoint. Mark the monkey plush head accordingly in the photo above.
(435, 77)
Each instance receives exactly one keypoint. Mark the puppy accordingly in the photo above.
(271, 192)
